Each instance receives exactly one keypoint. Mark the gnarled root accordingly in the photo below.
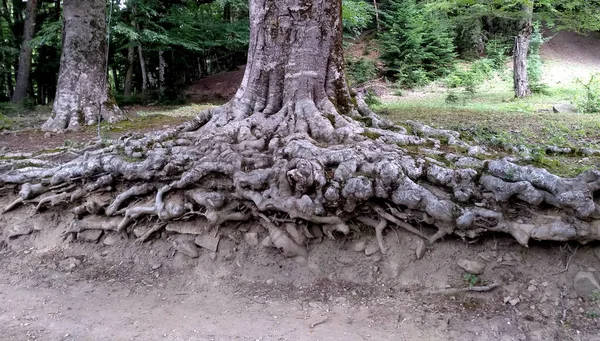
(301, 166)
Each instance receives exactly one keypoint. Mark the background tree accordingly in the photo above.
(24, 70)
(82, 95)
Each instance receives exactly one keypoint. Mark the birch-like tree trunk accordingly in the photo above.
(521, 49)
(24, 71)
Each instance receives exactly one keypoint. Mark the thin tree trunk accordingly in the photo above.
(143, 68)
(162, 65)
(376, 15)
(82, 93)
(129, 74)
(115, 77)
(521, 48)
(25, 56)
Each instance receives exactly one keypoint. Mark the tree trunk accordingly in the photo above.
(376, 15)
(296, 152)
(143, 68)
(521, 48)
(129, 74)
(162, 65)
(82, 94)
(25, 56)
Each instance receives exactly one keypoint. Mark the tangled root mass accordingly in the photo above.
(302, 169)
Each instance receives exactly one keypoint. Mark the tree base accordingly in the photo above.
(301, 173)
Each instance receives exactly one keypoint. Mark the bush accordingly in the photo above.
(589, 100)
(416, 44)
(534, 61)
(496, 51)
(479, 71)
(360, 70)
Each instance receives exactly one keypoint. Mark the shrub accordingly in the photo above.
(416, 44)
(534, 61)
(360, 70)
(588, 101)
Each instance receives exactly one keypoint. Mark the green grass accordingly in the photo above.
(493, 117)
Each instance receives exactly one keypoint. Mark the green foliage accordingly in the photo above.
(360, 70)
(588, 101)
(534, 61)
(371, 98)
(496, 51)
(471, 280)
(356, 16)
(416, 45)
(478, 72)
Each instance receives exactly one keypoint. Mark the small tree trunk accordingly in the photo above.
(24, 71)
(82, 94)
(129, 74)
(115, 77)
(521, 48)
(162, 65)
(143, 69)
(376, 15)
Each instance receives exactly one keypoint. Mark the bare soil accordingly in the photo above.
(55, 289)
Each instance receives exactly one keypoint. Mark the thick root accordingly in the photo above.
(303, 167)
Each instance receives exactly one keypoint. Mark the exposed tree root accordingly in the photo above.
(311, 167)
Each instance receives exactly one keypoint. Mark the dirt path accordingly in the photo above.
(55, 290)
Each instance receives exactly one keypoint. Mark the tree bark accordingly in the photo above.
(521, 49)
(162, 66)
(129, 75)
(143, 68)
(24, 71)
(82, 94)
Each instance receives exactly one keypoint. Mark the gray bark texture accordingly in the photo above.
(297, 152)
(82, 94)
(129, 74)
(22, 85)
(521, 48)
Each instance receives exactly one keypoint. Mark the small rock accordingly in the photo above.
(156, 266)
(564, 108)
(69, 264)
(89, 236)
(267, 242)
(297, 236)
(251, 238)
(110, 240)
(359, 246)
(472, 267)
(420, 249)
(187, 248)
(597, 252)
(213, 255)
(371, 249)
(545, 284)
(20, 230)
(532, 288)
(544, 299)
(585, 284)
(140, 231)
(270, 281)
(514, 301)
(207, 242)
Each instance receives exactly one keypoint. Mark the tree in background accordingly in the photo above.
(82, 95)
(24, 71)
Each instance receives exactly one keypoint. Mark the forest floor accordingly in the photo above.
(114, 289)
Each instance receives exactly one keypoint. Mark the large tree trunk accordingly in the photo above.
(298, 153)
(129, 74)
(25, 56)
(521, 48)
(82, 94)
(143, 68)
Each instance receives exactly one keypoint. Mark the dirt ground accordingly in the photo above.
(55, 289)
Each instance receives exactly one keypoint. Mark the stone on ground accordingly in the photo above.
(207, 242)
(90, 236)
(564, 108)
(251, 238)
(585, 284)
(472, 267)
(187, 248)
